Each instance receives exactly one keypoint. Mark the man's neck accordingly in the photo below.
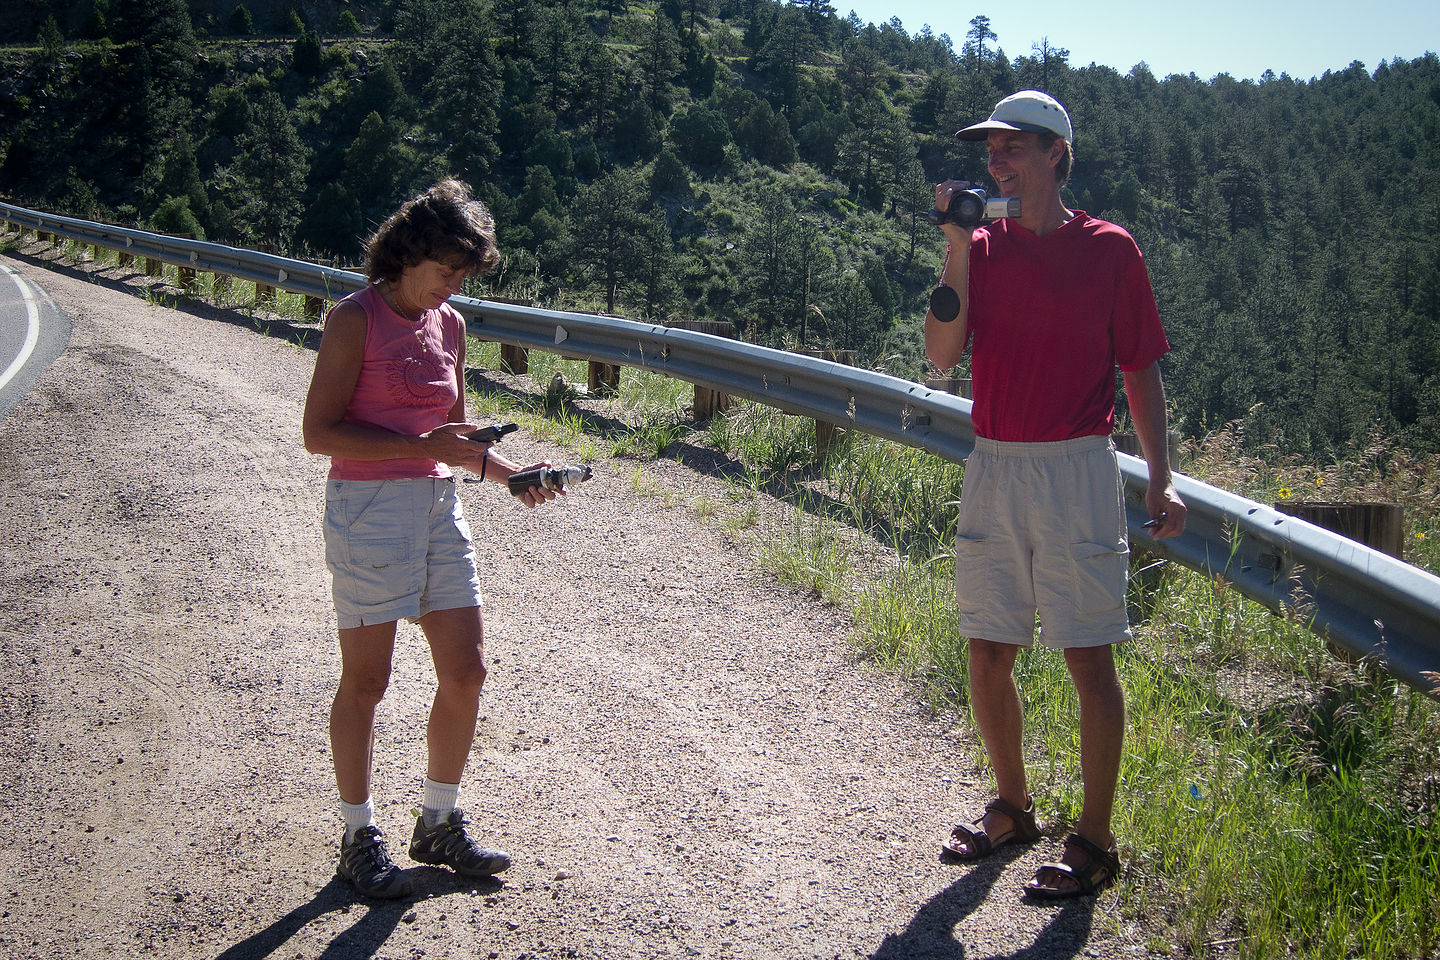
(1044, 214)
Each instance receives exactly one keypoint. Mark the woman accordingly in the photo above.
(387, 405)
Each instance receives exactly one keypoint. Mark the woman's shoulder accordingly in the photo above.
(349, 317)
(451, 317)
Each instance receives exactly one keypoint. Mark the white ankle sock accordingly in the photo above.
(439, 800)
(357, 816)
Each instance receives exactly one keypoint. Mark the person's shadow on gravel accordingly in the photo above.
(931, 934)
(366, 936)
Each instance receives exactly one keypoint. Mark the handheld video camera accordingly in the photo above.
(971, 208)
(551, 478)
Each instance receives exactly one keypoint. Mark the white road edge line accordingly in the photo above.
(32, 331)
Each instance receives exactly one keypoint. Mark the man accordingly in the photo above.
(1050, 302)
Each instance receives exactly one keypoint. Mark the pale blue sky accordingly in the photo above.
(1221, 36)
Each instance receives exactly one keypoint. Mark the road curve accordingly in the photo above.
(33, 332)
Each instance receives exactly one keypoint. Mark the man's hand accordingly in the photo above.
(1167, 511)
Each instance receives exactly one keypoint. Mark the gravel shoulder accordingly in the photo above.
(684, 758)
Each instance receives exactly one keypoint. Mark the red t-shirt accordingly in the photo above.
(1050, 318)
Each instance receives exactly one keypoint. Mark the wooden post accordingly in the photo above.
(514, 359)
(602, 379)
(314, 307)
(186, 274)
(709, 403)
(123, 259)
(960, 386)
(1378, 525)
(828, 435)
(264, 293)
(153, 267)
(1126, 441)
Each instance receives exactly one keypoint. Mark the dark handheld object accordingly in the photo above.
(945, 303)
(493, 433)
(1154, 523)
(551, 478)
(970, 208)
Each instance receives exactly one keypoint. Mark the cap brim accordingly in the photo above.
(979, 131)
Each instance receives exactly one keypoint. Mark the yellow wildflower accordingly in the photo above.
(1284, 493)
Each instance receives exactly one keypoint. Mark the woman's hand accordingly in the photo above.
(536, 494)
(449, 443)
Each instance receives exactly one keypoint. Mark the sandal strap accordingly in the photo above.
(1099, 857)
(975, 836)
(1084, 884)
(1023, 820)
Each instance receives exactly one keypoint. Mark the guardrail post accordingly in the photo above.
(264, 293)
(1126, 441)
(958, 386)
(314, 307)
(153, 267)
(1378, 525)
(514, 359)
(602, 379)
(827, 434)
(186, 274)
(709, 403)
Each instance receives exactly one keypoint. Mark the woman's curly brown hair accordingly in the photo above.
(445, 224)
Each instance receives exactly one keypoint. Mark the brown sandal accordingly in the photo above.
(1098, 871)
(981, 844)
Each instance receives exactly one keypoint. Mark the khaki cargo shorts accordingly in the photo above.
(1042, 531)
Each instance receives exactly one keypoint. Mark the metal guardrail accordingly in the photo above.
(1364, 600)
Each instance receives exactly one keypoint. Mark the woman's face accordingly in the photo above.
(430, 283)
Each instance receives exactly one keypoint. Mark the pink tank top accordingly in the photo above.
(407, 383)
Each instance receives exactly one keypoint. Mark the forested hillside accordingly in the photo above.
(765, 163)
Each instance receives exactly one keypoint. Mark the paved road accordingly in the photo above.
(33, 332)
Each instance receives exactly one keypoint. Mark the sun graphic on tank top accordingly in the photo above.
(414, 380)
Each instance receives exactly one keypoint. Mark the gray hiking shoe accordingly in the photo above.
(447, 843)
(366, 863)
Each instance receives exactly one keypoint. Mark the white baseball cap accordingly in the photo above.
(1028, 111)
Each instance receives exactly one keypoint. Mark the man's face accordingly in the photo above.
(1019, 165)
